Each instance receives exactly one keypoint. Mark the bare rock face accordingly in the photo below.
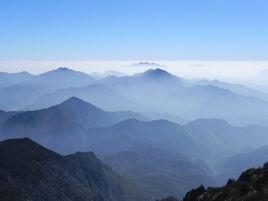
(195, 193)
(251, 185)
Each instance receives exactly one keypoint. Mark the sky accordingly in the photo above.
(133, 30)
(193, 38)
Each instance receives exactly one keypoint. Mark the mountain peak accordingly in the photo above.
(77, 102)
(25, 73)
(56, 71)
(157, 73)
(63, 69)
(67, 73)
(74, 99)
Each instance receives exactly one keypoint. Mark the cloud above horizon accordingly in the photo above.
(226, 70)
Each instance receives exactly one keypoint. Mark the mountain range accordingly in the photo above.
(176, 96)
(235, 88)
(7, 79)
(19, 95)
(154, 91)
(81, 125)
(65, 123)
(97, 94)
(137, 147)
(161, 134)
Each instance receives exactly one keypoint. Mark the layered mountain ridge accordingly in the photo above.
(31, 172)
(69, 111)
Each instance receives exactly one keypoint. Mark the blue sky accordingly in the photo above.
(134, 30)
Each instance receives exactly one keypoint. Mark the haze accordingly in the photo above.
(133, 100)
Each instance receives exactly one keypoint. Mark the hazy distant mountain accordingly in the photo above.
(7, 79)
(69, 121)
(143, 88)
(17, 96)
(80, 125)
(5, 115)
(220, 137)
(132, 134)
(161, 173)
(65, 121)
(97, 94)
(162, 92)
(59, 79)
(31, 172)
(251, 185)
(22, 94)
(232, 167)
(154, 91)
(157, 74)
(262, 77)
(107, 74)
(236, 88)
(209, 140)
(151, 75)
(174, 118)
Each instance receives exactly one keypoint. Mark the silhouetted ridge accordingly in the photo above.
(30, 172)
(252, 185)
(24, 150)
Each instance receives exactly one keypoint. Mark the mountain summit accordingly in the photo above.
(157, 73)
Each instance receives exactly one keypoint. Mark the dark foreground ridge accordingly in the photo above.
(31, 172)
(252, 185)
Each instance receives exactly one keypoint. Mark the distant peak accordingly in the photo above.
(25, 73)
(74, 99)
(77, 102)
(158, 72)
(57, 70)
(63, 69)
